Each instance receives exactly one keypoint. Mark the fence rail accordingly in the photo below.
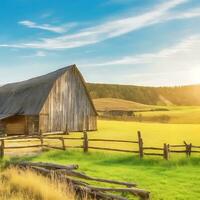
(138, 146)
(108, 140)
(85, 185)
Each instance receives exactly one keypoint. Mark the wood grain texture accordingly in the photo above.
(15, 125)
(68, 105)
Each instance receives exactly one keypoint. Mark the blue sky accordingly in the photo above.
(140, 42)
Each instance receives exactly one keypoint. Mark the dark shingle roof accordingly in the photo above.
(27, 97)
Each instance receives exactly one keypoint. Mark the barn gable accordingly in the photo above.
(68, 105)
(52, 102)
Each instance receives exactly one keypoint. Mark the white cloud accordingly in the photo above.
(169, 78)
(36, 54)
(176, 65)
(184, 53)
(47, 27)
(108, 29)
(184, 15)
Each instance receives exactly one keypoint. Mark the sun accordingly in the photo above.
(195, 75)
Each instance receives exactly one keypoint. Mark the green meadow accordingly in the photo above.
(176, 179)
(153, 134)
(172, 115)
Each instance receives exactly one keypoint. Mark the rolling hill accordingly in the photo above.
(148, 113)
(105, 104)
(182, 96)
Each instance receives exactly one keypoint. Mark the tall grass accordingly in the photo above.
(176, 179)
(16, 184)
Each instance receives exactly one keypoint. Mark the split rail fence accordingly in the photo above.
(165, 151)
(84, 185)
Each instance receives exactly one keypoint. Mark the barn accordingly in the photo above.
(58, 101)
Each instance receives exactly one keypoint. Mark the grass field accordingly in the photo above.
(174, 114)
(153, 134)
(16, 184)
(150, 113)
(177, 179)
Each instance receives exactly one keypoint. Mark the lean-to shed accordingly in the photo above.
(58, 101)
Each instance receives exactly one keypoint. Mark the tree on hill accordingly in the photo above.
(183, 95)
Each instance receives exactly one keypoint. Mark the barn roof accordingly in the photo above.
(27, 97)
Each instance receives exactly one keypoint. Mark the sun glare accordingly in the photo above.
(195, 75)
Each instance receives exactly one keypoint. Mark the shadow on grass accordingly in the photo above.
(105, 159)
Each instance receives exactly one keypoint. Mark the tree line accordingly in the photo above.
(179, 95)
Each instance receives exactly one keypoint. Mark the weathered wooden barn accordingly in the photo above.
(58, 101)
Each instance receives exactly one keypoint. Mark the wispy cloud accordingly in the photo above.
(185, 54)
(169, 78)
(108, 29)
(47, 27)
(36, 54)
(184, 15)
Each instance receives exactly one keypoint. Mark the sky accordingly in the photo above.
(134, 42)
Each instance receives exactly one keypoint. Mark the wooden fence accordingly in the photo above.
(81, 182)
(138, 146)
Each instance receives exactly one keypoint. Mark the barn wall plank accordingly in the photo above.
(68, 105)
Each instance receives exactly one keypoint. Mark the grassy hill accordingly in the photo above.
(150, 113)
(105, 104)
(184, 95)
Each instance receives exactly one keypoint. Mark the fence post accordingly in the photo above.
(66, 130)
(168, 148)
(140, 143)
(166, 151)
(41, 139)
(187, 149)
(63, 143)
(190, 149)
(85, 142)
(2, 149)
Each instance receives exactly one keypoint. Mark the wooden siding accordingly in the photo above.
(15, 125)
(32, 123)
(19, 125)
(68, 105)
